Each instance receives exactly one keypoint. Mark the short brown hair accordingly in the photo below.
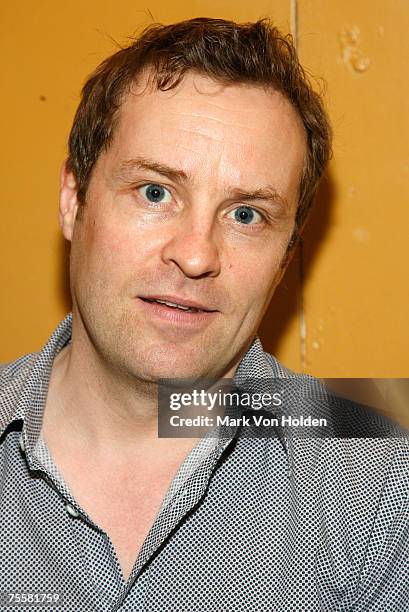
(226, 51)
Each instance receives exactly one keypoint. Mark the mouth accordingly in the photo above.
(179, 304)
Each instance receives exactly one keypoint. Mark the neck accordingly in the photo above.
(94, 405)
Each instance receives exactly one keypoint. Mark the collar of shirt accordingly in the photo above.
(23, 396)
(25, 383)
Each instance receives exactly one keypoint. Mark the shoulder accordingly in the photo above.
(354, 407)
(23, 382)
(13, 381)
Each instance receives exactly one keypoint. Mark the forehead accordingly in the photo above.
(233, 133)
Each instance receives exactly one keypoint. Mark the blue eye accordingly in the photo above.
(156, 193)
(246, 215)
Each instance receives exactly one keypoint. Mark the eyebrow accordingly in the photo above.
(267, 193)
(143, 163)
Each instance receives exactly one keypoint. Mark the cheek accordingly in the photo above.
(99, 257)
(252, 277)
(107, 243)
(107, 240)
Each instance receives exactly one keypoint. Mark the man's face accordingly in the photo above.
(193, 204)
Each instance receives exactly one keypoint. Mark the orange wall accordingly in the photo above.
(341, 309)
(357, 280)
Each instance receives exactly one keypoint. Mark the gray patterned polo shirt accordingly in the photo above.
(255, 524)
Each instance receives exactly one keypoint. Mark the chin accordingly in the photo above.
(150, 360)
(169, 371)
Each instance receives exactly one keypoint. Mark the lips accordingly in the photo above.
(178, 303)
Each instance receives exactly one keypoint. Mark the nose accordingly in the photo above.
(193, 246)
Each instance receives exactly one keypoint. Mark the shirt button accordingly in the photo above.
(22, 445)
(72, 511)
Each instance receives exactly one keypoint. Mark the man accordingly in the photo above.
(193, 160)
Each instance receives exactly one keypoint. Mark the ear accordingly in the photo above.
(281, 272)
(295, 241)
(287, 260)
(68, 201)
